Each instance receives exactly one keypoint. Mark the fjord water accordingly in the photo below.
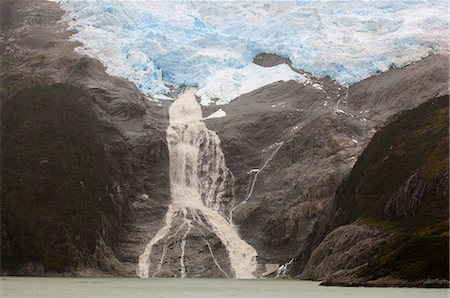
(156, 287)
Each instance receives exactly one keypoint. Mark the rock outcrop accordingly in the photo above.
(410, 195)
(346, 247)
(350, 278)
(409, 203)
(406, 200)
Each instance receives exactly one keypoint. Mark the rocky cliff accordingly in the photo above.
(398, 189)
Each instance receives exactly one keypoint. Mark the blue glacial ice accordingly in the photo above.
(211, 44)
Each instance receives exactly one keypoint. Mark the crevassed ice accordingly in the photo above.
(209, 43)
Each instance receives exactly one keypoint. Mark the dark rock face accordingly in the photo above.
(407, 199)
(269, 60)
(405, 195)
(346, 247)
(348, 278)
(56, 180)
(411, 194)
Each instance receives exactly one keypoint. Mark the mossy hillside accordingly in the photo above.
(415, 141)
(54, 173)
(415, 256)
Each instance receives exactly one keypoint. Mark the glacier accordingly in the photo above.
(211, 44)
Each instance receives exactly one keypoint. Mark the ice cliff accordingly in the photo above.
(211, 44)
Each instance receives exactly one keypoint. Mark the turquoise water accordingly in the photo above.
(186, 288)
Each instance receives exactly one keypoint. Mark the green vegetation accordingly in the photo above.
(414, 256)
(54, 172)
(415, 141)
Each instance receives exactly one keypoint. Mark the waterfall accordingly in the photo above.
(201, 188)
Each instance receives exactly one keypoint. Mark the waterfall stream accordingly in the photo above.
(201, 188)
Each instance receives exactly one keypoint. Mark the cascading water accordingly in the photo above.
(201, 188)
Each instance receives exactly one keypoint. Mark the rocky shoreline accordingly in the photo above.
(348, 279)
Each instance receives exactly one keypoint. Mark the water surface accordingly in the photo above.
(195, 288)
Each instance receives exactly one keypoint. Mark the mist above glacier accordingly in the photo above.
(211, 44)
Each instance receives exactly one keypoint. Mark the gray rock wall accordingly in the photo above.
(346, 247)
(323, 131)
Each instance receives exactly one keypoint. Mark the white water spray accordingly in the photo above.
(200, 183)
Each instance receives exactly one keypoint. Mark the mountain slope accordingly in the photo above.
(322, 132)
(414, 144)
(56, 180)
(96, 126)
(399, 186)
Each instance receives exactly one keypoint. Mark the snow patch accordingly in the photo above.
(317, 86)
(218, 114)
